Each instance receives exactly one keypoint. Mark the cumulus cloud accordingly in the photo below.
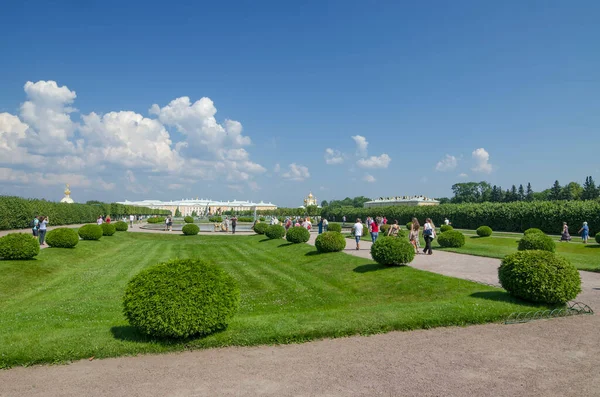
(381, 161)
(333, 157)
(463, 175)
(448, 163)
(296, 172)
(361, 145)
(277, 168)
(481, 158)
(369, 178)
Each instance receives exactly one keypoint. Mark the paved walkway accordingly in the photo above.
(543, 358)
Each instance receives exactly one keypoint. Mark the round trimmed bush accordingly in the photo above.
(539, 276)
(160, 219)
(598, 237)
(188, 219)
(384, 229)
(275, 232)
(108, 229)
(121, 226)
(533, 230)
(392, 251)
(409, 226)
(90, 232)
(484, 231)
(181, 298)
(537, 241)
(297, 234)
(190, 229)
(334, 227)
(451, 239)
(19, 246)
(445, 228)
(330, 242)
(260, 228)
(62, 237)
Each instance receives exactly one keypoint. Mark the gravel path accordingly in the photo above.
(543, 358)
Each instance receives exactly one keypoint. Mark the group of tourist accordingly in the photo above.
(585, 233)
(39, 226)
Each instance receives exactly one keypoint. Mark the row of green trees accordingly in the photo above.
(356, 202)
(17, 212)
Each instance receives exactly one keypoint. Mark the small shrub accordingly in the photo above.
(451, 239)
(275, 232)
(189, 219)
(108, 229)
(262, 219)
(121, 226)
(62, 237)
(533, 230)
(334, 227)
(409, 226)
(190, 229)
(260, 228)
(330, 242)
(598, 237)
(392, 251)
(445, 228)
(384, 229)
(484, 231)
(245, 219)
(537, 241)
(159, 219)
(297, 234)
(181, 298)
(539, 276)
(19, 246)
(90, 232)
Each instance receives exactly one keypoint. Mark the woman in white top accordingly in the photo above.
(42, 231)
(428, 235)
(99, 221)
(357, 229)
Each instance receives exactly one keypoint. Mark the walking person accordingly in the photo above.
(131, 218)
(43, 223)
(233, 224)
(226, 224)
(394, 229)
(320, 224)
(35, 224)
(413, 236)
(428, 235)
(107, 218)
(565, 236)
(167, 224)
(357, 230)
(585, 232)
(325, 224)
(374, 231)
(99, 221)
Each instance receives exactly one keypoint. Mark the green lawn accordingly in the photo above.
(66, 304)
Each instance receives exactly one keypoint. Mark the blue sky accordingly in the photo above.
(507, 92)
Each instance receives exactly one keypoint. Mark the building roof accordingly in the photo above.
(198, 202)
(403, 199)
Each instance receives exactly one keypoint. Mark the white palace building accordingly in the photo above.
(202, 206)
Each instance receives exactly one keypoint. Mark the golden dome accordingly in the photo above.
(310, 195)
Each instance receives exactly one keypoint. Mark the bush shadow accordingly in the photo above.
(313, 253)
(475, 237)
(373, 267)
(285, 245)
(127, 333)
(503, 296)
(594, 246)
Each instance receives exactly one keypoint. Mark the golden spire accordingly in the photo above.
(67, 191)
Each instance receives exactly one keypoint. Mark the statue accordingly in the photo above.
(67, 199)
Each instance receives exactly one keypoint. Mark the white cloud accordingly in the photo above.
(277, 168)
(448, 163)
(369, 178)
(333, 157)
(297, 173)
(375, 161)
(481, 158)
(175, 186)
(361, 145)
(463, 175)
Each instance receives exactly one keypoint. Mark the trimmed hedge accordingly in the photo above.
(334, 227)
(297, 234)
(445, 228)
(90, 232)
(157, 219)
(384, 229)
(260, 228)
(537, 241)
(598, 237)
(215, 219)
(63, 237)
(409, 226)
(533, 230)
(330, 242)
(19, 246)
(188, 219)
(121, 226)
(451, 239)
(190, 229)
(539, 276)
(245, 219)
(181, 298)
(108, 229)
(275, 232)
(392, 251)
(484, 231)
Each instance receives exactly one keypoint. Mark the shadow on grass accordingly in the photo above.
(592, 246)
(285, 245)
(373, 267)
(503, 296)
(312, 253)
(128, 333)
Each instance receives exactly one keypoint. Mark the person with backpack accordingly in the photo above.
(35, 224)
(428, 235)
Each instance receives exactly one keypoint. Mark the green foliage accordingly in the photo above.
(539, 276)
(409, 226)
(19, 246)
(260, 228)
(215, 219)
(245, 219)
(262, 219)
(178, 213)
(330, 242)
(121, 226)
(356, 202)
(157, 219)
(62, 237)
(484, 231)
(90, 232)
(108, 229)
(190, 229)
(598, 237)
(392, 251)
(451, 239)
(445, 228)
(275, 232)
(537, 241)
(533, 230)
(181, 298)
(189, 219)
(334, 227)
(384, 229)
(297, 234)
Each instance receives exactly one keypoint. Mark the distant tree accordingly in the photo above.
(443, 200)
(312, 210)
(521, 193)
(507, 196)
(514, 195)
(471, 192)
(572, 191)
(94, 202)
(359, 202)
(324, 203)
(496, 195)
(177, 213)
(529, 194)
(544, 195)
(194, 213)
(590, 191)
(555, 191)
